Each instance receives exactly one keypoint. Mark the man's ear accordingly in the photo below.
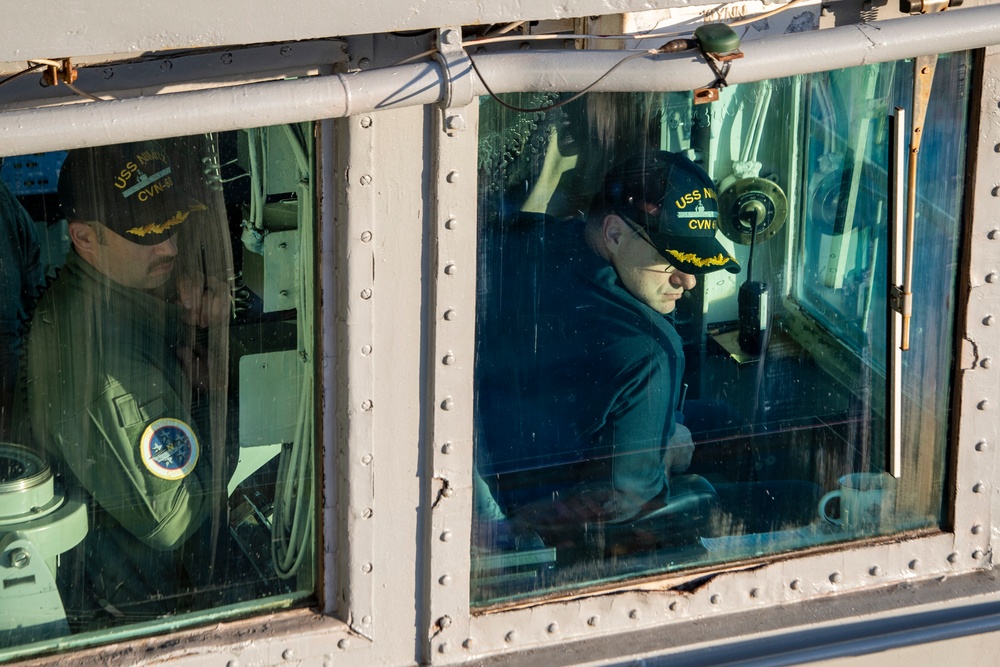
(83, 238)
(613, 232)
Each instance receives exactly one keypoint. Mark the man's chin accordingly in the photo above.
(665, 308)
(154, 281)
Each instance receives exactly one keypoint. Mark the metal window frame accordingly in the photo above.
(363, 235)
(864, 569)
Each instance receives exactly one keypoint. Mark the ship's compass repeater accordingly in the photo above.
(37, 524)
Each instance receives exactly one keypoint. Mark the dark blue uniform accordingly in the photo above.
(578, 381)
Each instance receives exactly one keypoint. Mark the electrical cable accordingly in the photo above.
(29, 70)
(38, 63)
(765, 15)
(479, 41)
(256, 196)
(556, 105)
(300, 154)
(637, 36)
(292, 525)
(499, 37)
(507, 28)
(82, 93)
(720, 72)
(44, 61)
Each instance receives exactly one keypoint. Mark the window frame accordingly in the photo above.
(863, 568)
(297, 628)
(357, 579)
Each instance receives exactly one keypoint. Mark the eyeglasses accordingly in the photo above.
(641, 233)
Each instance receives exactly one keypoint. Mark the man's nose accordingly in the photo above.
(683, 280)
(165, 249)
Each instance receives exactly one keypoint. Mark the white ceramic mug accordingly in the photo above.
(865, 497)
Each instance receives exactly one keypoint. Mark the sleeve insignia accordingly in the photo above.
(169, 449)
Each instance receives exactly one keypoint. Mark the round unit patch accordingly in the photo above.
(169, 449)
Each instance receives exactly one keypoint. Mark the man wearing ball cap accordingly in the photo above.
(109, 377)
(580, 364)
(128, 197)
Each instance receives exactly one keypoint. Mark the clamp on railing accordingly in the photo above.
(720, 46)
(456, 70)
(56, 71)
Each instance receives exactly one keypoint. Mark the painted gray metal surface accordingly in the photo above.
(72, 27)
(452, 254)
(818, 632)
(382, 225)
(355, 231)
(277, 102)
(178, 72)
(385, 512)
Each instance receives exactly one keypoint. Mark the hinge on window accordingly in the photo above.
(900, 301)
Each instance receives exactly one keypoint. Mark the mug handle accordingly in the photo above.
(822, 507)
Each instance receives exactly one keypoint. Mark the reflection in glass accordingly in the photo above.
(167, 386)
(778, 373)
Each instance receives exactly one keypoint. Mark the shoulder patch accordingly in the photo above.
(169, 449)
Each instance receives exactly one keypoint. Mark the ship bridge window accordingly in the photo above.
(161, 465)
(682, 323)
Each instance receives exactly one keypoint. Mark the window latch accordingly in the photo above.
(923, 81)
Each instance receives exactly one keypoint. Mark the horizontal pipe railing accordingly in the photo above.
(276, 102)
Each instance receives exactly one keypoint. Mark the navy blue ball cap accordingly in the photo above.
(132, 189)
(674, 201)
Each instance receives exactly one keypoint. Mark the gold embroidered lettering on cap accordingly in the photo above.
(702, 224)
(125, 175)
(146, 156)
(689, 198)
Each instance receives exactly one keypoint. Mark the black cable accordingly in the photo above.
(31, 69)
(753, 243)
(38, 66)
(720, 74)
(573, 98)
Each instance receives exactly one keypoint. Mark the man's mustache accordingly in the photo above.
(160, 262)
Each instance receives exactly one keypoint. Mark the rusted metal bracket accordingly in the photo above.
(719, 62)
(58, 70)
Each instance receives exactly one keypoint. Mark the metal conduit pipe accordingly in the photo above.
(767, 58)
(278, 102)
(77, 125)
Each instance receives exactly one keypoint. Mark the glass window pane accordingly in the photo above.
(161, 428)
(681, 326)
